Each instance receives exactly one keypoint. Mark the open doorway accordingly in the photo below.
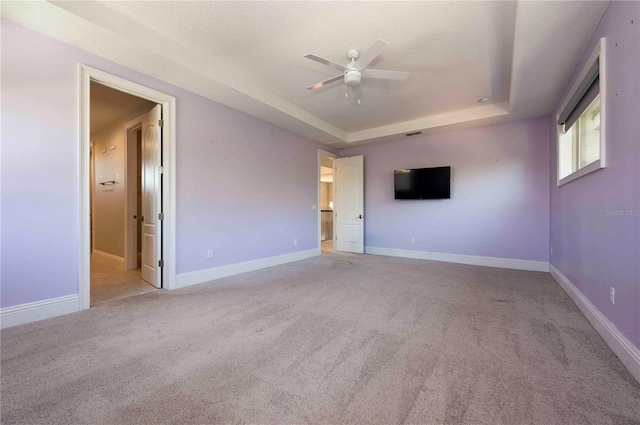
(161, 226)
(341, 200)
(120, 123)
(326, 191)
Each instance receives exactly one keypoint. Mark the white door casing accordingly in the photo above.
(349, 178)
(86, 75)
(151, 199)
(92, 183)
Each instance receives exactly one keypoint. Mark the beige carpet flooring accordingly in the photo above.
(335, 339)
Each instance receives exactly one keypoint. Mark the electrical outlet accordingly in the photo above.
(413, 240)
(295, 241)
(551, 250)
(210, 253)
(612, 295)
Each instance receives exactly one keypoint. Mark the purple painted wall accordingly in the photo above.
(244, 187)
(593, 248)
(499, 204)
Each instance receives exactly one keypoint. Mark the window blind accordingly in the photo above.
(583, 97)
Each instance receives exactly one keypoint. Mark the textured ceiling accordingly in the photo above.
(250, 56)
(451, 50)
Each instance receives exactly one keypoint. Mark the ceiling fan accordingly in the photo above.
(356, 69)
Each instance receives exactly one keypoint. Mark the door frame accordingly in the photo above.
(322, 153)
(131, 193)
(86, 75)
(92, 195)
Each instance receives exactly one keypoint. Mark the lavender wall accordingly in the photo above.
(593, 248)
(244, 187)
(499, 204)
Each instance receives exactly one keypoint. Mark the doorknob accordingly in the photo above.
(142, 218)
(360, 216)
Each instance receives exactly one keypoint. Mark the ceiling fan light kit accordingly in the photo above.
(353, 77)
(353, 72)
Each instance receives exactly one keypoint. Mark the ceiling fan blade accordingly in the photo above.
(357, 92)
(385, 75)
(367, 57)
(325, 82)
(325, 62)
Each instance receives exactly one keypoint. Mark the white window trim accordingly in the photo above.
(599, 53)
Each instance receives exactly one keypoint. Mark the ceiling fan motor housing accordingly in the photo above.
(352, 77)
(352, 72)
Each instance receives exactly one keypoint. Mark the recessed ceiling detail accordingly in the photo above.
(250, 56)
(353, 72)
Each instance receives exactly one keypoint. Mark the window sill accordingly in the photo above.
(594, 166)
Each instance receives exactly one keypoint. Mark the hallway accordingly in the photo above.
(110, 281)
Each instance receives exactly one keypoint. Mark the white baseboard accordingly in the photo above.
(201, 276)
(39, 310)
(475, 260)
(626, 351)
(106, 255)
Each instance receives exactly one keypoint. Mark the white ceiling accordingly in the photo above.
(250, 56)
(109, 105)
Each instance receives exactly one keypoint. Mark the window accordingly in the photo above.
(581, 122)
(580, 144)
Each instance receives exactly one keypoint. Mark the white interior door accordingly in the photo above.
(349, 185)
(151, 196)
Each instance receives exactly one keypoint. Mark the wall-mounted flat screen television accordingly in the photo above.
(423, 183)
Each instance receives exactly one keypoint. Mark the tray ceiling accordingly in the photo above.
(250, 56)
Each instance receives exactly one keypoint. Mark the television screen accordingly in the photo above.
(423, 183)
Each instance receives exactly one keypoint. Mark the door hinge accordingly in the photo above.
(160, 263)
(161, 123)
(161, 169)
(160, 216)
